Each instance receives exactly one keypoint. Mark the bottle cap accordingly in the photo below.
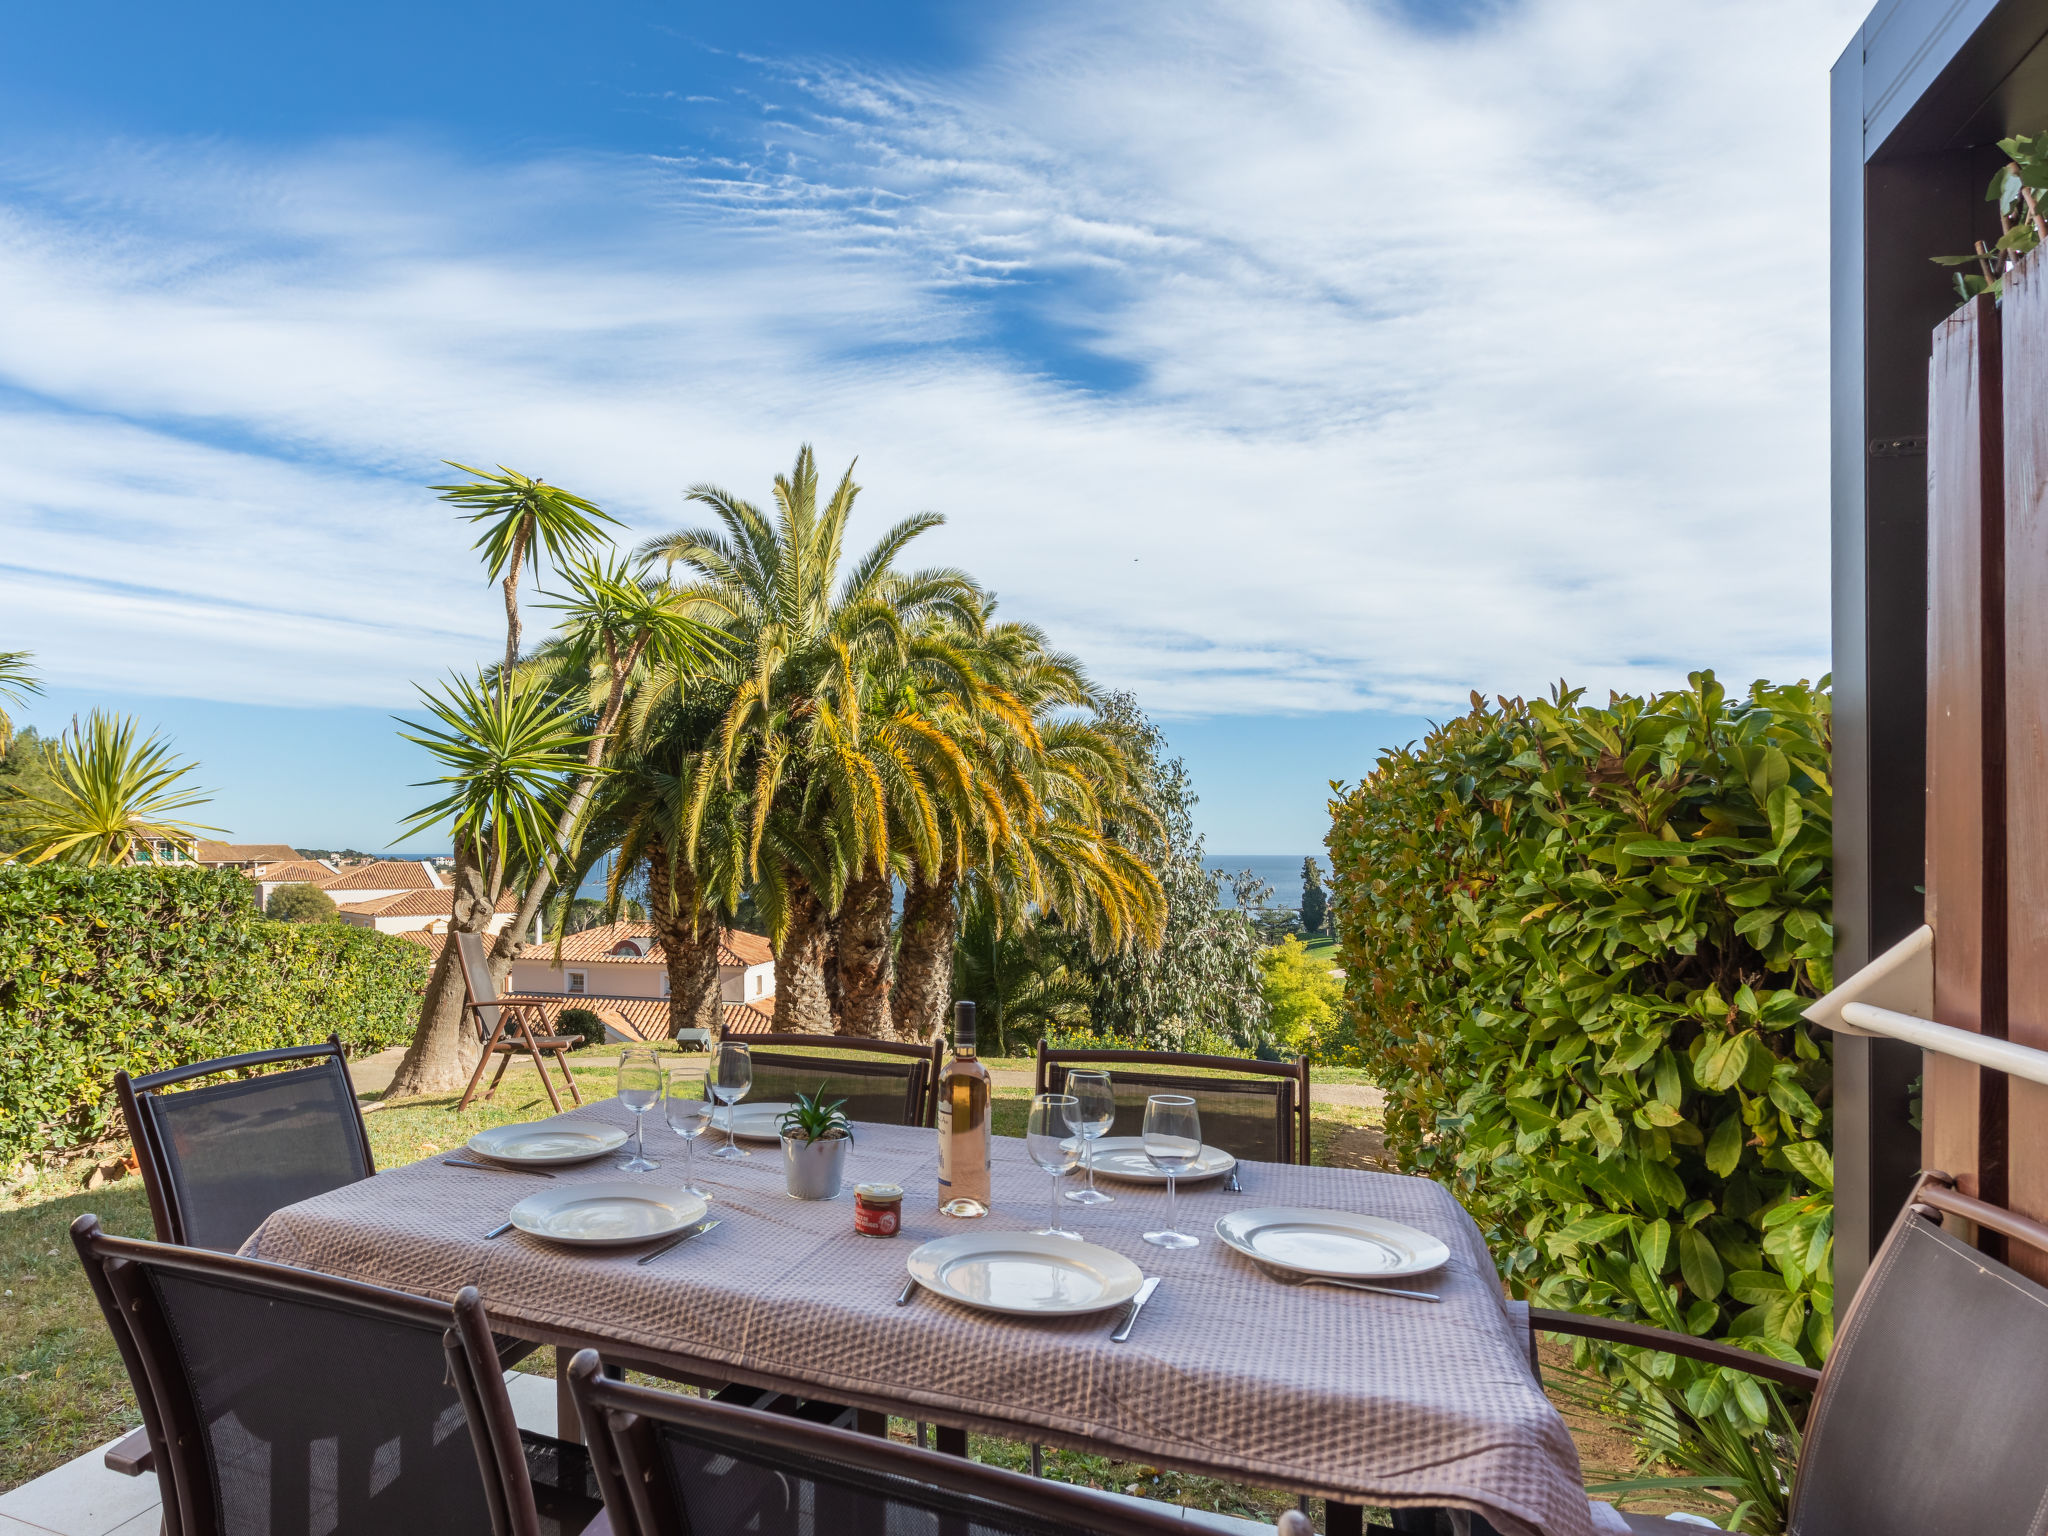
(963, 1026)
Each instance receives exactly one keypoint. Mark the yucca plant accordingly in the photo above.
(812, 1119)
(17, 682)
(109, 794)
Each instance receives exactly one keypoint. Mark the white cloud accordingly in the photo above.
(1460, 361)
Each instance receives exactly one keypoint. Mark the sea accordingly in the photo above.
(1282, 871)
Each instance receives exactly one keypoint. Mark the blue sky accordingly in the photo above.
(1299, 366)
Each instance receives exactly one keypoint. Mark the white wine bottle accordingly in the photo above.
(963, 1124)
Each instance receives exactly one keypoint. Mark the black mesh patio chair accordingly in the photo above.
(507, 1027)
(680, 1466)
(1257, 1110)
(217, 1160)
(1927, 1416)
(890, 1082)
(282, 1402)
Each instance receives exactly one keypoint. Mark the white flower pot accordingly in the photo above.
(814, 1170)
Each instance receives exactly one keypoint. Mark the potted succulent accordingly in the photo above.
(815, 1136)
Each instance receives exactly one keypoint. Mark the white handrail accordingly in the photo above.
(1963, 1044)
(1893, 995)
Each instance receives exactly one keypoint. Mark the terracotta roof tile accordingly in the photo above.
(242, 853)
(297, 872)
(734, 947)
(386, 875)
(439, 903)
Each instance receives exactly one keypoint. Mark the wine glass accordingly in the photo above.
(639, 1087)
(688, 1113)
(1092, 1120)
(1049, 1136)
(730, 1076)
(1173, 1141)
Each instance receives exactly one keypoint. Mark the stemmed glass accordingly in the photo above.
(639, 1088)
(1173, 1141)
(1050, 1138)
(730, 1076)
(689, 1116)
(1092, 1120)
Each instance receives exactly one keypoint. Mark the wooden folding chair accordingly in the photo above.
(508, 1027)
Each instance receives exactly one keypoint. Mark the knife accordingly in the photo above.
(681, 1237)
(1144, 1295)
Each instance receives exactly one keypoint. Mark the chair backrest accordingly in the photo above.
(476, 976)
(889, 1082)
(1928, 1416)
(218, 1159)
(281, 1402)
(678, 1466)
(1259, 1110)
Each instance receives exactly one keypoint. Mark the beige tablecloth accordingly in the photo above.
(1365, 1398)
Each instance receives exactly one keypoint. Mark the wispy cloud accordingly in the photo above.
(1277, 358)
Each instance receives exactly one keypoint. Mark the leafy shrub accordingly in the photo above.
(583, 1022)
(1577, 942)
(300, 904)
(1196, 1042)
(1306, 1002)
(144, 968)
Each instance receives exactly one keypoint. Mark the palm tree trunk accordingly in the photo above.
(924, 959)
(444, 1045)
(863, 953)
(689, 944)
(801, 1006)
(519, 537)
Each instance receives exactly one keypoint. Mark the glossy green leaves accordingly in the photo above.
(1577, 941)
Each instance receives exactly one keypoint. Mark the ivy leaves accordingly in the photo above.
(1578, 939)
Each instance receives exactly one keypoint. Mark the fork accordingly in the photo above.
(453, 1162)
(1288, 1277)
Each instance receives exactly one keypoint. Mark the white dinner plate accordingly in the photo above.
(1335, 1243)
(1025, 1274)
(599, 1215)
(544, 1144)
(1123, 1157)
(751, 1122)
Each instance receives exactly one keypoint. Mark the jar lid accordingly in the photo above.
(881, 1192)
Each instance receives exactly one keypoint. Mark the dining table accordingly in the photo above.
(1359, 1398)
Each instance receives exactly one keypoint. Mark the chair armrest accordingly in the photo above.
(131, 1456)
(1642, 1336)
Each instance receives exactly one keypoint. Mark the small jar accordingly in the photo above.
(877, 1209)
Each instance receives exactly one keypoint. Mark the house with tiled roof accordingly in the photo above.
(624, 962)
(314, 872)
(428, 911)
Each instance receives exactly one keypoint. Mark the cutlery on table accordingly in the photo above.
(909, 1290)
(1138, 1301)
(1287, 1278)
(454, 1162)
(498, 1231)
(681, 1237)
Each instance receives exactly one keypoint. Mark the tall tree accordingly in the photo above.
(1315, 905)
(614, 621)
(805, 637)
(108, 797)
(519, 515)
(17, 683)
(509, 753)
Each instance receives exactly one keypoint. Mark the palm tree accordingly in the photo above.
(108, 796)
(17, 682)
(805, 641)
(614, 622)
(519, 514)
(510, 753)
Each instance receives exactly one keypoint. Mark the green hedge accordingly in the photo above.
(145, 968)
(1578, 940)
